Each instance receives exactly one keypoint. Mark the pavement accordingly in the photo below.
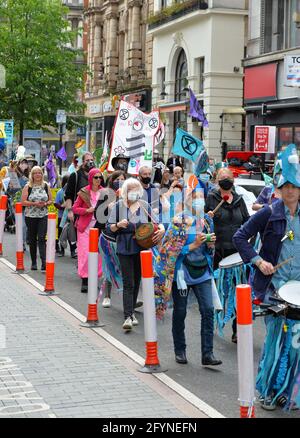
(50, 367)
(213, 391)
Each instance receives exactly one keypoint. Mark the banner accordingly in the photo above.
(292, 70)
(134, 136)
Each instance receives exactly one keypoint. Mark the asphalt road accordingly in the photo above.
(218, 387)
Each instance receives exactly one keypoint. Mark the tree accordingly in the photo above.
(41, 70)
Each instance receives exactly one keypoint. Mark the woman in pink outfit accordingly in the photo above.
(84, 207)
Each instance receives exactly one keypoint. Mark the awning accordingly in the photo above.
(172, 107)
(234, 110)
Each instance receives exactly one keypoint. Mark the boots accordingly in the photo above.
(84, 285)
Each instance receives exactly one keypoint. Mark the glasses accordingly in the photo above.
(97, 177)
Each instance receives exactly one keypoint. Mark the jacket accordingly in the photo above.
(228, 219)
(270, 223)
(82, 203)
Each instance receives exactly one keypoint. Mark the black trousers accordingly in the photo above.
(37, 230)
(131, 275)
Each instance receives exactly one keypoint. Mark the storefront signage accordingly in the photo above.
(264, 139)
(95, 108)
(292, 70)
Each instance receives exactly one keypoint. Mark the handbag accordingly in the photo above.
(195, 263)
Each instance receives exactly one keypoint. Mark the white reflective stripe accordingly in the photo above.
(93, 278)
(2, 223)
(245, 363)
(51, 240)
(149, 310)
(19, 232)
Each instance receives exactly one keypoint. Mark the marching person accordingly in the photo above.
(126, 216)
(84, 207)
(195, 261)
(107, 240)
(36, 197)
(227, 220)
(279, 228)
(77, 181)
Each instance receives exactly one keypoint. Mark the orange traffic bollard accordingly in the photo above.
(50, 256)
(3, 208)
(19, 237)
(152, 364)
(92, 317)
(245, 351)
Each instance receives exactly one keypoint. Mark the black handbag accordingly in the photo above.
(196, 264)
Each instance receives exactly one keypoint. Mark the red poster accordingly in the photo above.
(261, 141)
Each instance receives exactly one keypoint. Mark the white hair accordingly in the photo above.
(129, 184)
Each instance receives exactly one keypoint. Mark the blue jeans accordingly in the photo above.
(203, 294)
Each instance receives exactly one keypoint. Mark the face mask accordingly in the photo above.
(204, 177)
(117, 184)
(226, 184)
(89, 165)
(133, 196)
(146, 180)
(121, 166)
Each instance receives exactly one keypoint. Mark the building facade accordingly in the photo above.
(119, 57)
(199, 44)
(272, 94)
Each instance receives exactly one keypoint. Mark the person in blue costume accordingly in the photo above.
(193, 271)
(279, 225)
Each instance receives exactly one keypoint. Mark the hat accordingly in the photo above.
(221, 165)
(117, 157)
(290, 167)
(30, 158)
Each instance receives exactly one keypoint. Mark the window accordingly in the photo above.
(200, 62)
(181, 74)
(287, 135)
(161, 77)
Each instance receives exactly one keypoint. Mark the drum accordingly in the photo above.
(290, 294)
(280, 362)
(232, 271)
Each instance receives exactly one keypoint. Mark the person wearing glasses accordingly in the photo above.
(84, 208)
(36, 197)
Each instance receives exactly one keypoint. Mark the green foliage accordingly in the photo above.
(171, 10)
(41, 71)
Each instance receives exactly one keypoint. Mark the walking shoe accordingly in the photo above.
(73, 254)
(61, 253)
(106, 302)
(267, 403)
(127, 325)
(134, 320)
(34, 267)
(84, 285)
(234, 338)
(282, 400)
(211, 360)
(138, 304)
(43, 268)
(181, 358)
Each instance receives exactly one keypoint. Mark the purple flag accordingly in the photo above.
(51, 171)
(196, 110)
(62, 154)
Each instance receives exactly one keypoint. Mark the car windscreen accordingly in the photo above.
(254, 189)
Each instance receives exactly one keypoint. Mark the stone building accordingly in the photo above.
(199, 44)
(119, 58)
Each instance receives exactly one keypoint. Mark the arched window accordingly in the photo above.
(181, 74)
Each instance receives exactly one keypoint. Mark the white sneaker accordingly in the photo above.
(134, 320)
(106, 302)
(127, 324)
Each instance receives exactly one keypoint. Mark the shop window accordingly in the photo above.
(287, 135)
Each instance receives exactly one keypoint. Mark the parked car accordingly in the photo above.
(249, 189)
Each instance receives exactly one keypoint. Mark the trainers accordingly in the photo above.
(267, 403)
(127, 325)
(34, 267)
(234, 338)
(138, 304)
(134, 320)
(106, 302)
(282, 401)
(43, 268)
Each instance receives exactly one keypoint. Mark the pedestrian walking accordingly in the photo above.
(36, 197)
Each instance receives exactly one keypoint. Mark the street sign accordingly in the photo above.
(61, 117)
(264, 139)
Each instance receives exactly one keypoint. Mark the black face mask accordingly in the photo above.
(117, 184)
(146, 180)
(226, 184)
(89, 165)
(122, 166)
